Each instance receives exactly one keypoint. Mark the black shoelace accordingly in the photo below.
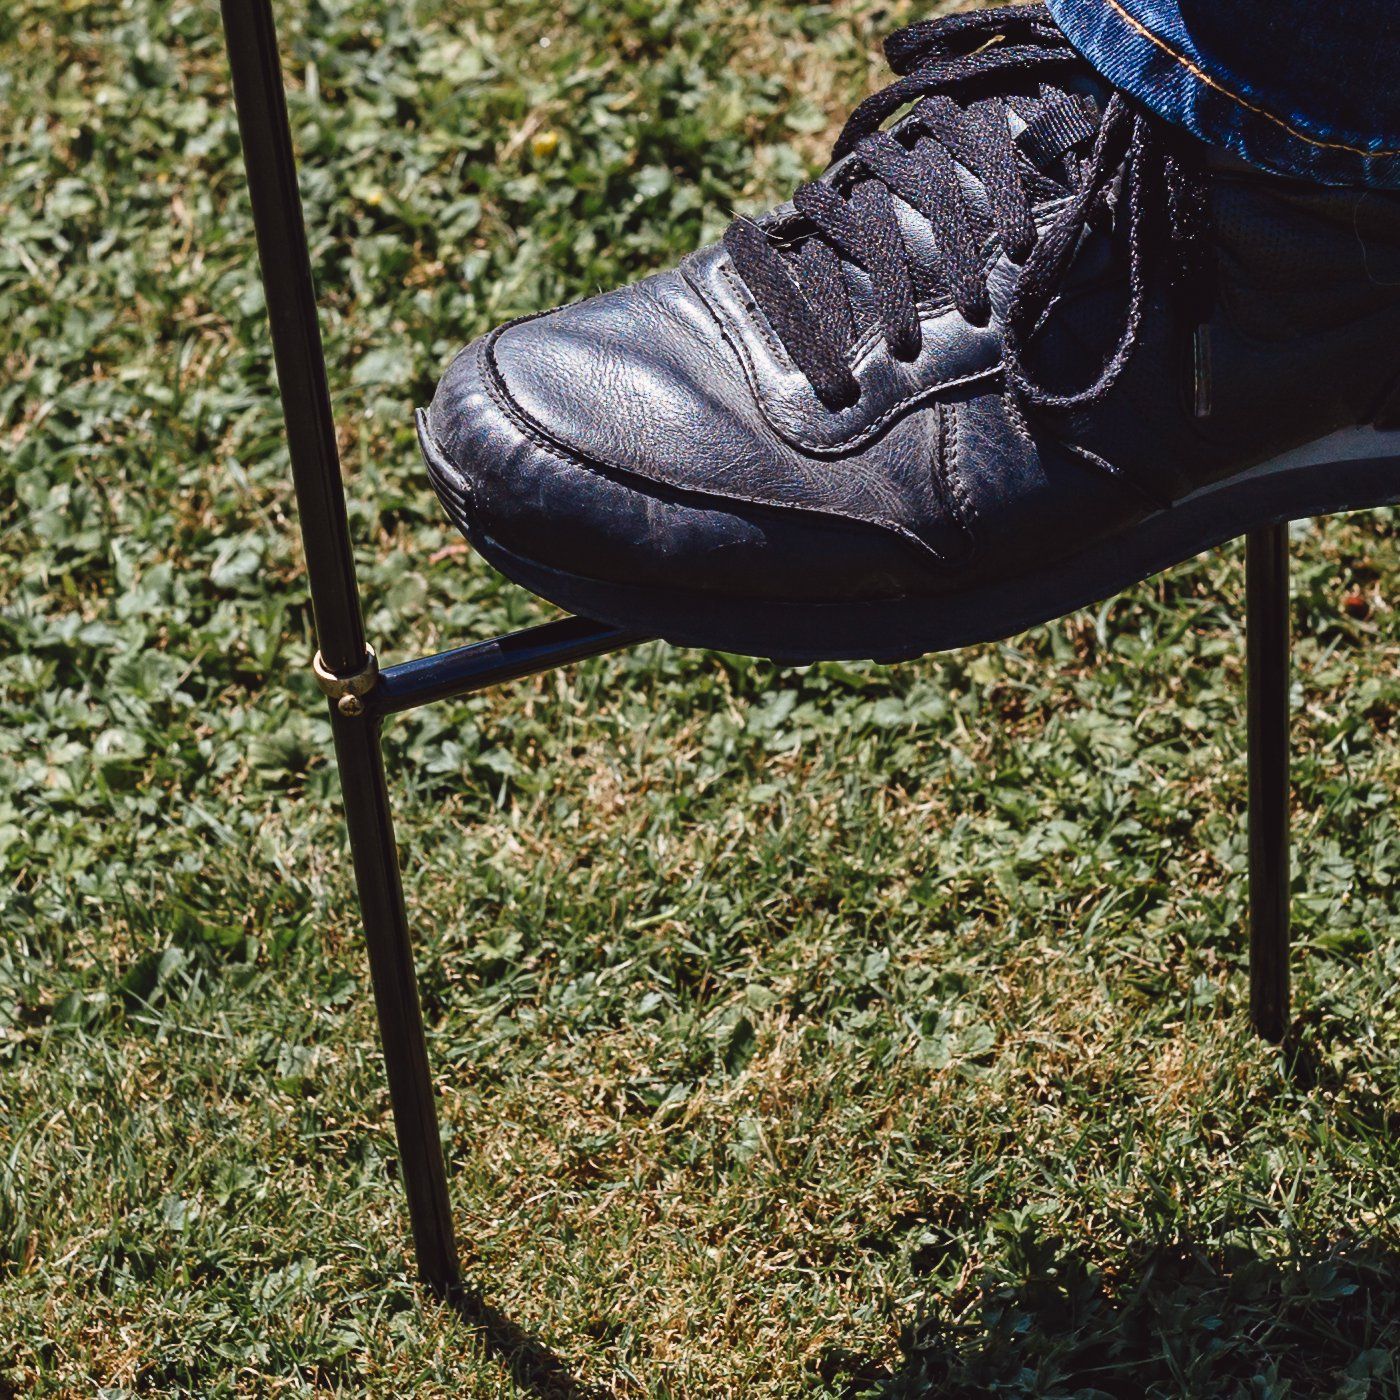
(1132, 171)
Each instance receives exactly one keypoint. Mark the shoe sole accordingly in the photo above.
(1356, 469)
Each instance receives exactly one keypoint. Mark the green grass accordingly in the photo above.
(842, 1032)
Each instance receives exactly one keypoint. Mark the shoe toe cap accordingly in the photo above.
(549, 441)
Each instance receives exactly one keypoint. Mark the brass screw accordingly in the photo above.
(347, 691)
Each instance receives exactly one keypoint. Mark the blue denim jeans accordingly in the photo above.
(1308, 88)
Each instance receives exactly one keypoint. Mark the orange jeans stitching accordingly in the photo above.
(1210, 82)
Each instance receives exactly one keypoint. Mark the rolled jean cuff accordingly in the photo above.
(1145, 48)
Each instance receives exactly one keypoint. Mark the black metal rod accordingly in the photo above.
(372, 845)
(508, 658)
(1267, 607)
(306, 407)
(296, 335)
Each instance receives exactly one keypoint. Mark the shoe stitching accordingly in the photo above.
(1216, 86)
(948, 473)
(1017, 418)
(951, 488)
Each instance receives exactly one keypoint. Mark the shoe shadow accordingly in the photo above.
(532, 1366)
(1183, 1321)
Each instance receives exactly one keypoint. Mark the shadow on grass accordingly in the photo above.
(534, 1368)
(1183, 1322)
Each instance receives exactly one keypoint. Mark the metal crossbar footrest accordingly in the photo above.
(463, 670)
(361, 695)
(483, 664)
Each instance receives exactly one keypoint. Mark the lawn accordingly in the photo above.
(835, 1032)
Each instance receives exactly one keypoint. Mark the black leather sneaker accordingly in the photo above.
(1006, 357)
